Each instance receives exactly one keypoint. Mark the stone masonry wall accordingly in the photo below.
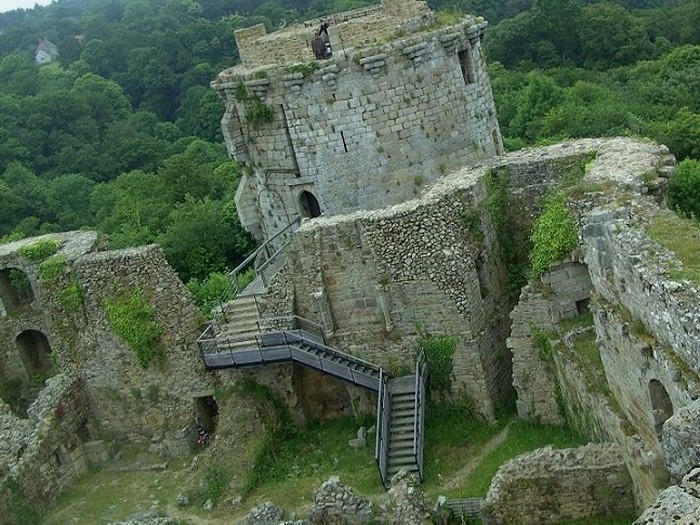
(130, 401)
(347, 31)
(552, 486)
(44, 453)
(362, 133)
(387, 276)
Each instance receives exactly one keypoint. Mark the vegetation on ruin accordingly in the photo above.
(52, 268)
(216, 289)
(259, 113)
(682, 237)
(71, 297)
(505, 216)
(40, 250)
(133, 319)
(20, 281)
(554, 235)
(541, 340)
(439, 351)
(306, 69)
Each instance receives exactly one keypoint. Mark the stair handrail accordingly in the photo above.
(381, 450)
(297, 322)
(419, 412)
(303, 337)
(233, 274)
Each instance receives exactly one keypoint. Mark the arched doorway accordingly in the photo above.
(35, 352)
(15, 289)
(309, 205)
(661, 405)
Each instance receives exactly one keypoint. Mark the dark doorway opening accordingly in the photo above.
(15, 289)
(309, 205)
(206, 413)
(661, 405)
(35, 352)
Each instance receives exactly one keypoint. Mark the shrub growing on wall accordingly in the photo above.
(40, 250)
(439, 350)
(553, 236)
(133, 319)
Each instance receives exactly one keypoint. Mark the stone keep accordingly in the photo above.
(402, 101)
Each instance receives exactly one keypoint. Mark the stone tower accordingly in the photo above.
(402, 99)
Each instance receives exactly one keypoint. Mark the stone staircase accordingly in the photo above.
(241, 326)
(402, 426)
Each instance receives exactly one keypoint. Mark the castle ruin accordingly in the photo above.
(413, 222)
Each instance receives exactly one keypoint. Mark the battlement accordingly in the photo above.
(346, 31)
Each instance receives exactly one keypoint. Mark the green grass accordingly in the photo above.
(583, 320)
(522, 437)
(302, 462)
(99, 497)
(682, 237)
(453, 435)
(618, 519)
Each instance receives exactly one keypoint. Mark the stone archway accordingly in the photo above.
(35, 353)
(309, 205)
(661, 405)
(16, 290)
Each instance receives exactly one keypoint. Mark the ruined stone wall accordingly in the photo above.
(44, 453)
(131, 401)
(643, 369)
(552, 486)
(377, 281)
(362, 133)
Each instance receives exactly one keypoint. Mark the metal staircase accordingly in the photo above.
(400, 403)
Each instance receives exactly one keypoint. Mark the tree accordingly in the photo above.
(684, 190)
(612, 36)
(201, 239)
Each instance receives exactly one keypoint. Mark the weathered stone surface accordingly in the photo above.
(406, 503)
(677, 504)
(336, 503)
(550, 486)
(681, 441)
(265, 514)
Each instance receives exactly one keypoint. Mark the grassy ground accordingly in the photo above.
(301, 463)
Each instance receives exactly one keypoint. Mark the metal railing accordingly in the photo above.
(419, 414)
(263, 249)
(296, 345)
(381, 448)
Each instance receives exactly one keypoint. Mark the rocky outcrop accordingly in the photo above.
(681, 441)
(679, 505)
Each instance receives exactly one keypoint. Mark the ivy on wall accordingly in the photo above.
(553, 236)
(133, 319)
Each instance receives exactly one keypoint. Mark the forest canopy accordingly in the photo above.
(120, 133)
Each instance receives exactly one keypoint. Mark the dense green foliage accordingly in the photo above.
(554, 235)
(439, 350)
(121, 133)
(40, 250)
(684, 190)
(133, 319)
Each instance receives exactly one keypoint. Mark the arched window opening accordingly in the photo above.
(35, 352)
(661, 405)
(309, 205)
(15, 290)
